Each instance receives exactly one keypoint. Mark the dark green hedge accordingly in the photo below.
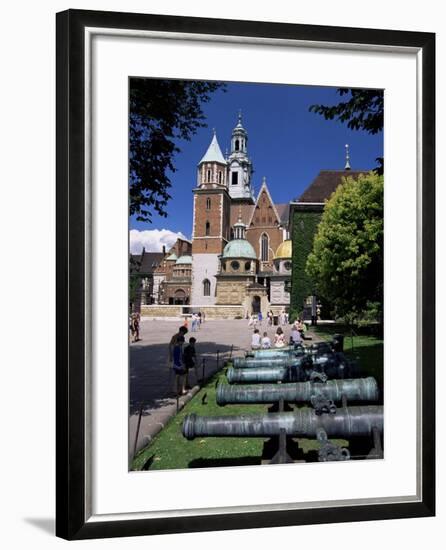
(304, 229)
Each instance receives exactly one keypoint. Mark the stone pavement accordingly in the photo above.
(152, 382)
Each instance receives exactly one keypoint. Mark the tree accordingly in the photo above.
(346, 263)
(363, 110)
(161, 113)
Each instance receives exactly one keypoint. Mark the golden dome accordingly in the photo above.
(284, 250)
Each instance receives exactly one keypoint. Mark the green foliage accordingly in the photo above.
(346, 263)
(363, 110)
(161, 113)
(304, 229)
(134, 278)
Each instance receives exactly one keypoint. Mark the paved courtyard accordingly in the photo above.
(152, 382)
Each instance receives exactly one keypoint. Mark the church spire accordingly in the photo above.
(347, 157)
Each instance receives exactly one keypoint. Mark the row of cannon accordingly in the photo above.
(320, 376)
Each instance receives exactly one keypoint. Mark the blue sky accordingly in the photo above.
(286, 143)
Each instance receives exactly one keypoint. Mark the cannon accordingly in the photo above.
(346, 423)
(323, 367)
(271, 353)
(318, 355)
(360, 389)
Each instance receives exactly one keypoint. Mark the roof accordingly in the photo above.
(184, 260)
(325, 184)
(145, 263)
(242, 210)
(213, 154)
(239, 248)
(284, 250)
(284, 212)
(150, 261)
(173, 256)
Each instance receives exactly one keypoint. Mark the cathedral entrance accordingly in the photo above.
(255, 305)
(180, 298)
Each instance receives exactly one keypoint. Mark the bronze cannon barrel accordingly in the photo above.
(286, 359)
(297, 372)
(359, 389)
(345, 423)
(272, 353)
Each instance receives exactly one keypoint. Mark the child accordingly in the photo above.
(266, 342)
(255, 340)
(190, 359)
(279, 339)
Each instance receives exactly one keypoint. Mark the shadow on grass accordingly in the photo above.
(151, 380)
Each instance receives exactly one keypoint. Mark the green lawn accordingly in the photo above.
(170, 449)
(366, 348)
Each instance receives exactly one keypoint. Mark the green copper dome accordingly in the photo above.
(184, 260)
(239, 248)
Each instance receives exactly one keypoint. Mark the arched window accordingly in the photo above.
(219, 176)
(209, 175)
(237, 145)
(208, 228)
(264, 248)
(208, 204)
(206, 287)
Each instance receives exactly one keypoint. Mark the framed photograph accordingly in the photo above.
(271, 188)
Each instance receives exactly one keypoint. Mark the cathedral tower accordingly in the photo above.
(211, 223)
(240, 166)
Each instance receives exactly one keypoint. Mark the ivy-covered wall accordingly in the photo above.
(304, 226)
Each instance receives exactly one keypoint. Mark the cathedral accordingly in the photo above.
(239, 260)
(239, 254)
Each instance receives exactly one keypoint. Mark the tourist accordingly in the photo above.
(251, 320)
(266, 341)
(194, 321)
(279, 338)
(182, 331)
(178, 364)
(203, 317)
(190, 361)
(255, 340)
(270, 318)
(295, 337)
(260, 317)
(135, 327)
(199, 319)
(301, 327)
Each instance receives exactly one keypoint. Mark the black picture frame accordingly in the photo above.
(71, 510)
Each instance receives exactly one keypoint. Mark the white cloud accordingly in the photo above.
(152, 240)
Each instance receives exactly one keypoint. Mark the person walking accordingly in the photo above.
(194, 322)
